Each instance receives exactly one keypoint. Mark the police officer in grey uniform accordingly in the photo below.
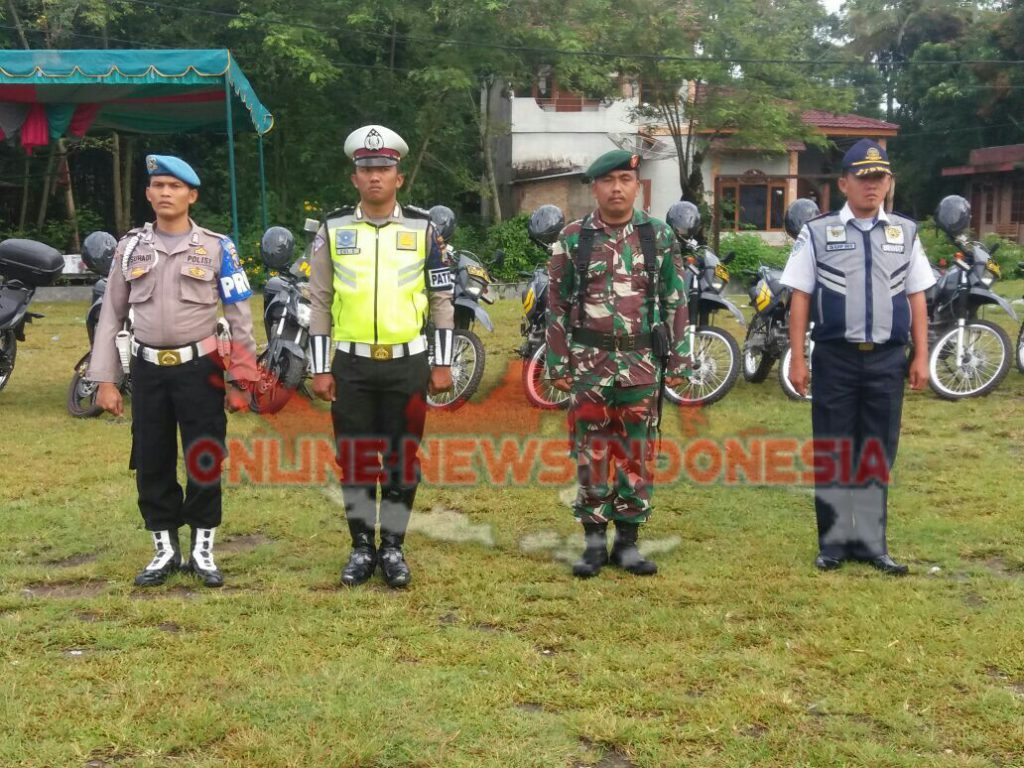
(173, 275)
(377, 270)
(859, 276)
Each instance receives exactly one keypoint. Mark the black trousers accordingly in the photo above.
(855, 414)
(378, 414)
(189, 397)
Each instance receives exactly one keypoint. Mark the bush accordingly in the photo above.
(937, 246)
(751, 251)
(521, 254)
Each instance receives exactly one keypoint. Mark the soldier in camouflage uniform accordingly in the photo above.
(600, 348)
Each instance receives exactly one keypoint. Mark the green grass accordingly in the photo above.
(737, 654)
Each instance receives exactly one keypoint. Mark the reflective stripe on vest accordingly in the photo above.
(860, 293)
(379, 284)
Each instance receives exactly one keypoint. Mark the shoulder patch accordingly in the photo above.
(232, 283)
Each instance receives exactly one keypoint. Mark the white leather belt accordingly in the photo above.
(177, 355)
(383, 351)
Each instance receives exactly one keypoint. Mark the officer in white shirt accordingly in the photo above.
(859, 276)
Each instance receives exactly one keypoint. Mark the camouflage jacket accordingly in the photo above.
(615, 302)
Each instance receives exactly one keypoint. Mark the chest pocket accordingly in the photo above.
(640, 279)
(141, 281)
(198, 285)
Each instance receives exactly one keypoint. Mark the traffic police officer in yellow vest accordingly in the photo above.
(173, 275)
(376, 271)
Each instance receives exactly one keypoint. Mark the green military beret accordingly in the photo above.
(615, 160)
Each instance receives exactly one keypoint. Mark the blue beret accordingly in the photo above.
(615, 160)
(165, 165)
(865, 157)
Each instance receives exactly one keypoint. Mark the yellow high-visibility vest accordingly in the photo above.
(379, 284)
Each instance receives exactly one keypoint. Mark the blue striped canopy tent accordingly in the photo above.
(45, 95)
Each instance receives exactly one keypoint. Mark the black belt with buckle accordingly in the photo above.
(612, 342)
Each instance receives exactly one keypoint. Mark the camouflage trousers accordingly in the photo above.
(613, 430)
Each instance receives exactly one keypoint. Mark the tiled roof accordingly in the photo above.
(832, 121)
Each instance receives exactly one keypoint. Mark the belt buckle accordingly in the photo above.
(623, 343)
(865, 346)
(168, 357)
(380, 352)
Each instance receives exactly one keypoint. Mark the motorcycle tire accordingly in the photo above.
(82, 392)
(468, 358)
(539, 392)
(756, 367)
(8, 353)
(785, 383)
(277, 382)
(1020, 349)
(986, 362)
(716, 358)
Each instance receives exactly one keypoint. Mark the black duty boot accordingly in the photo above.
(395, 511)
(625, 553)
(595, 556)
(362, 561)
(165, 562)
(201, 562)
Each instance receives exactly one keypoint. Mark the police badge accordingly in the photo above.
(894, 234)
(345, 241)
(374, 141)
(835, 234)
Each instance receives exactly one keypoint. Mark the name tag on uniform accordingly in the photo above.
(894, 234)
(840, 246)
(440, 278)
(835, 234)
(199, 259)
(891, 248)
(406, 241)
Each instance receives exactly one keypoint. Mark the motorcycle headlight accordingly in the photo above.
(474, 288)
(305, 313)
(987, 278)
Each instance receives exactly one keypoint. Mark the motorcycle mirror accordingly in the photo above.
(953, 215)
(545, 224)
(277, 248)
(729, 257)
(311, 226)
(98, 252)
(499, 258)
(684, 218)
(443, 219)
(800, 211)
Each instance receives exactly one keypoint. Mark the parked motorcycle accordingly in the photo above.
(544, 225)
(715, 353)
(969, 356)
(98, 254)
(471, 284)
(25, 265)
(284, 365)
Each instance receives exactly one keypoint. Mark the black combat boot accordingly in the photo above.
(165, 562)
(362, 561)
(625, 553)
(395, 511)
(595, 556)
(200, 561)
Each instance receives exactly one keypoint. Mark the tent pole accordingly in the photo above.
(263, 182)
(231, 161)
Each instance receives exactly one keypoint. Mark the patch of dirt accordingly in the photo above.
(529, 706)
(65, 589)
(88, 616)
(485, 626)
(245, 542)
(448, 619)
(72, 560)
(105, 760)
(161, 593)
(169, 626)
(612, 758)
(974, 600)
(755, 730)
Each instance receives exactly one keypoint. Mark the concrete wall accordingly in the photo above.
(569, 193)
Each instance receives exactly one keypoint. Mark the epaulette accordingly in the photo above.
(822, 216)
(345, 210)
(415, 212)
(211, 233)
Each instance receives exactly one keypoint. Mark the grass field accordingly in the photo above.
(737, 654)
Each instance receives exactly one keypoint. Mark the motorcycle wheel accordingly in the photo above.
(1020, 349)
(986, 361)
(537, 385)
(716, 366)
(277, 382)
(8, 352)
(756, 365)
(468, 359)
(82, 392)
(785, 383)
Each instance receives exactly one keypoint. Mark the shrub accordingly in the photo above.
(751, 251)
